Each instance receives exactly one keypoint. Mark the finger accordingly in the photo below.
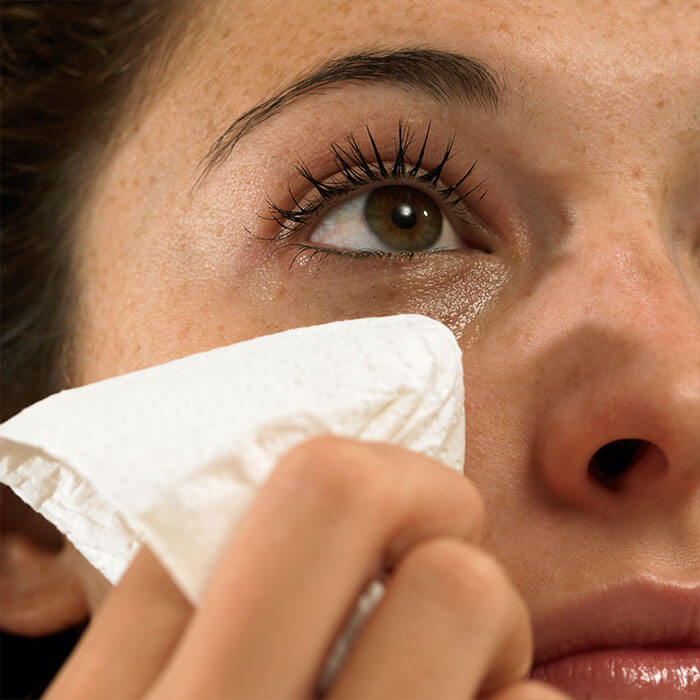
(529, 690)
(449, 624)
(333, 514)
(129, 640)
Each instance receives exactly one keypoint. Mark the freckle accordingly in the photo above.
(660, 104)
(185, 331)
(636, 172)
(226, 34)
(219, 94)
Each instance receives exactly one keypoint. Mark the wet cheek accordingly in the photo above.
(216, 300)
(456, 291)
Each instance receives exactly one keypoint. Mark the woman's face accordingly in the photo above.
(571, 277)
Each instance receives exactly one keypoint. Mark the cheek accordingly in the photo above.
(149, 314)
(454, 290)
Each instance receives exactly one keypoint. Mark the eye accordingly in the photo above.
(402, 217)
(391, 218)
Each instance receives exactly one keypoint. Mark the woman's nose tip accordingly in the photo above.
(626, 428)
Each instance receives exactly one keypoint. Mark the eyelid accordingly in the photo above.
(358, 172)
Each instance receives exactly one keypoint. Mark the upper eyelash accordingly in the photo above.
(356, 170)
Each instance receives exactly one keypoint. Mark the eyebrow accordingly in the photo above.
(446, 77)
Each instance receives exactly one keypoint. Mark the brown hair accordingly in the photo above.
(67, 71)
(70, 72)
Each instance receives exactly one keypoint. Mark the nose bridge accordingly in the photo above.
(629, 280)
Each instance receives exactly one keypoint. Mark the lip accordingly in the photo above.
(625, 673)
(637, 614)
(617, 633)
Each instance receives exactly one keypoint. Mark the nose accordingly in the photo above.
(621, 387)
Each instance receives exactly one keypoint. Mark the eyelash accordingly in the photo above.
(356, 170)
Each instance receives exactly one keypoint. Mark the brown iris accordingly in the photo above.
(403, 217)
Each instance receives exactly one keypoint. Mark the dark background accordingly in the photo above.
(27, 665)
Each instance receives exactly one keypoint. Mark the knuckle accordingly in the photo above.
(414, 488)
(461, 577)
(446, 493)
(333, 469)
(399, 493)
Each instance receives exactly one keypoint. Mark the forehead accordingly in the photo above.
(596, 61)
(604, 41)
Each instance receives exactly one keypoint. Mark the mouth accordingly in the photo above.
(640, 640)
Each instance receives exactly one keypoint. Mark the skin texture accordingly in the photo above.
(582, 325)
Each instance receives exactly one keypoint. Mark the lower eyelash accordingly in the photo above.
(406, 255)
(356, 170)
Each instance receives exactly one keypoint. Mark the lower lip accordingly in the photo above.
(625, 674)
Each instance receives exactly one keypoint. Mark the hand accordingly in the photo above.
(334, 514)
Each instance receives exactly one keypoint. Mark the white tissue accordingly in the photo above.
(171, 455)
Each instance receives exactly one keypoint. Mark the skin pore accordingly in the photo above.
(580, 325)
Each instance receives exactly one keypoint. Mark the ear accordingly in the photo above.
(41, 589)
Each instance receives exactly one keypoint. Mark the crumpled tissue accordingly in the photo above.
(171, 455)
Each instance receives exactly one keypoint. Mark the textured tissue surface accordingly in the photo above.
(171, 455)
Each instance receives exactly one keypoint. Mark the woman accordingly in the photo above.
(528, 174)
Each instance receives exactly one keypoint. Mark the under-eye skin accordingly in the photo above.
(404, 215)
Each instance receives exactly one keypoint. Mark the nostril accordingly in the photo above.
(613, 460)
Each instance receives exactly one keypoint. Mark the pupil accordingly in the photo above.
(403, 216)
